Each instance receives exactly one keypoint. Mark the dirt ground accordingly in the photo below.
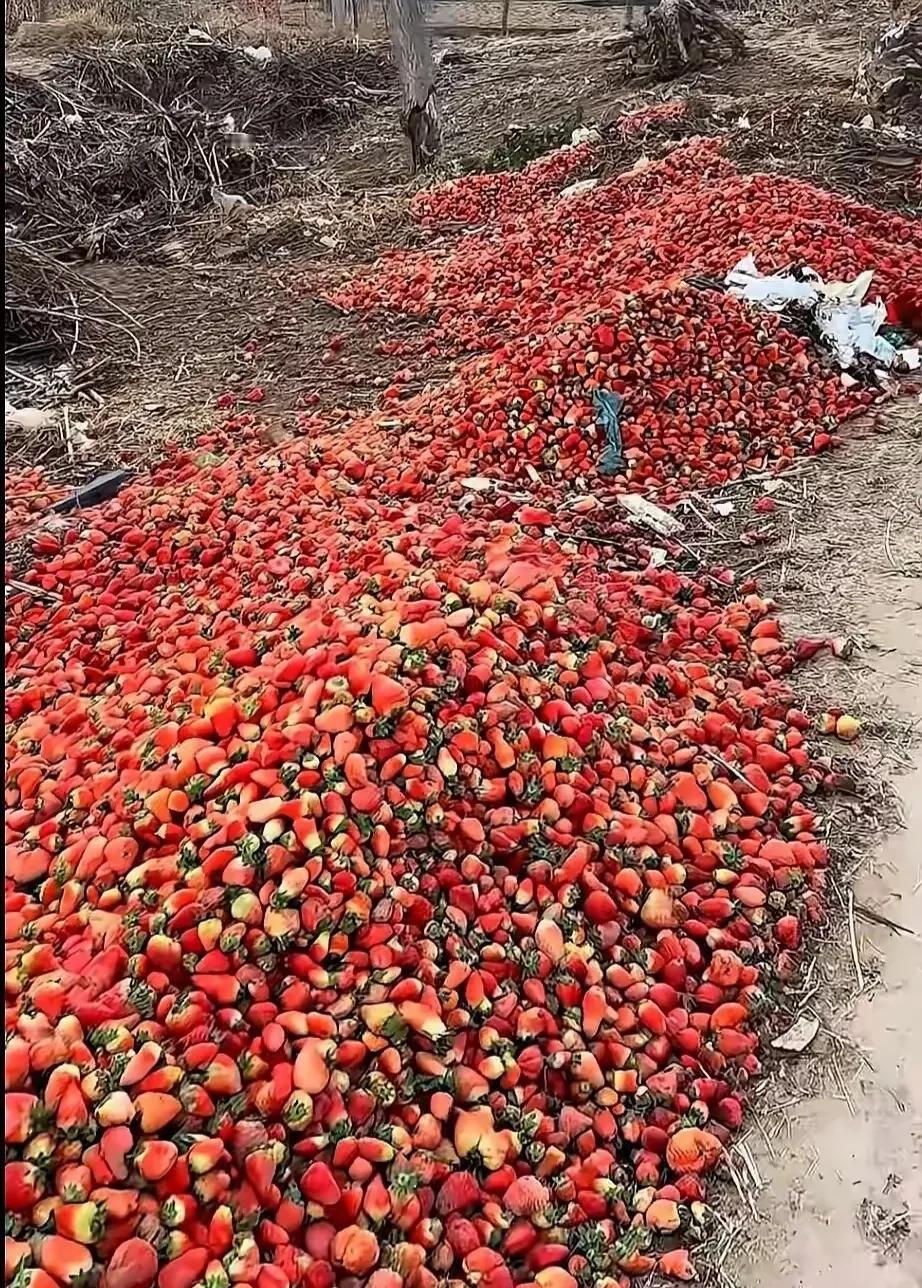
(830, 1171)
(842, 1205)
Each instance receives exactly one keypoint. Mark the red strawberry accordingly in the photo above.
(82, 1222)
(184, 1270)
(115, 1144)
(37, 1278)
(205, 1154)
(247, 1135)
(65, 1259)
(73, 1112)
(18, 1112)
(15, 1062)
(155, 1158)
(387, 695)
(23, 1186)
(133, 1265)
(319, 1185)
(221, 1231)
(462, 1236)
(15, 1252)
(260, 1169)
(73, 1182)
(459, 1193)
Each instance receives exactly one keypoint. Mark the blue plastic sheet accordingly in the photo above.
(607, 408)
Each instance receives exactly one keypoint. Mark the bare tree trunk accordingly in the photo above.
(347, 14)
(889, 77)
(677, 35)
(416, 69)
(505, 25)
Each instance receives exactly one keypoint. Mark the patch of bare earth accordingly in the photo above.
(829, 1171)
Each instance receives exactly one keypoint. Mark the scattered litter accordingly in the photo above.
(478, 483)
(100, 489)
(884, 1229)
(642, 511)
(578, 188)
(607, 408)
(260, 54)
(840, 723)
(799, 1036)
(775, 291)
(852, 329)
(585, 134)
(29, 419)
(842, 319)
(742, 122)
(723, 508)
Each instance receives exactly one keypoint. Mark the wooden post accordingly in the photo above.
(505, 22)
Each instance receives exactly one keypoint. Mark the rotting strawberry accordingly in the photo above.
(399, 905)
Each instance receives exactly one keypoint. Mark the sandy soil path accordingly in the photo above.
(842, 1156)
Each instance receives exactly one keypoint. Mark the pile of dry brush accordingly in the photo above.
(116, 147)
(125, 143)
(889, 75)
(680, 35)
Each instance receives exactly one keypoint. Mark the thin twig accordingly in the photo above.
(853, 940)
(841, 1081)
(725, 764)
(68, 437)
(36, 591)
(892, 562)
(879, 919)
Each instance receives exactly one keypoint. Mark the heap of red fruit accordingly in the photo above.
(397, 868)
(555, 257)
(710, 390)
(485, 198)
(27, 493)
(631, 124)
